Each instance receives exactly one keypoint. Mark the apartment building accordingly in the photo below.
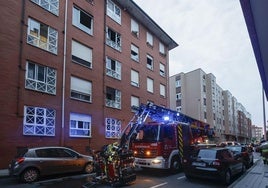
(230, 128)
(198, 95)
(72, 69)
(257, 133)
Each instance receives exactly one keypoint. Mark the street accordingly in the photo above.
(146, 178)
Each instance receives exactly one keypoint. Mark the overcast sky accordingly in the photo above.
(212, 35)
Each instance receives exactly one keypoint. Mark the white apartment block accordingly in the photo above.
(197, 94)
(257, 133)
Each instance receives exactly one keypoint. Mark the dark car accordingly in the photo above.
(213, 163)
(35, 162)
(245, 152)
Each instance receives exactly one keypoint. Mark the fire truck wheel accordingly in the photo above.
(175, 165)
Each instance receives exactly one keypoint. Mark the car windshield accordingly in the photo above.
(207, 154)
(235, 149)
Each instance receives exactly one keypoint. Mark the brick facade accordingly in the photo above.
(16, 52)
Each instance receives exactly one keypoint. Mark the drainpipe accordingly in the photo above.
(20, 58)
(64, 74)
(104, 62)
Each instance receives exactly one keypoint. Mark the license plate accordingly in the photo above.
(141, 161)
(199, 164)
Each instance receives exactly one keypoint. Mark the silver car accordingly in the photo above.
(41, 161)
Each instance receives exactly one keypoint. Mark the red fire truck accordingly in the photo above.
(160, 137)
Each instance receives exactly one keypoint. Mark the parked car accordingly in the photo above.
(205, 145)
(229, 143)
(213, 163)
(245, 152)
(35, 162)
(259, 146)
(263, 145)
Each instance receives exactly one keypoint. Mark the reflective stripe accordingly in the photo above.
(180, 140)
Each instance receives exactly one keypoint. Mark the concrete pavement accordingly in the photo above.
(255, 177)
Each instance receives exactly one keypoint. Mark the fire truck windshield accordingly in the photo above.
(148, 133)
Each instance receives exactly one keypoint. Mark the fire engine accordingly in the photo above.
(160, 137)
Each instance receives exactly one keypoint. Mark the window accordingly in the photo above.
(81, 54)
(161, 48)
(135, 78)
(82, 20)
(42, 36)
(135, 101)
(113, 39)
(81, 89)
(50, 5)
(149, 39)
(55, 153)
(39, 121)
(150, 102)
(162, 90)
(80, 125)
(134, 27)
(113, 68)
(113, 98)
(207, 154)
(178, 96)
(204, 88)
(150, 62)
(150, 85)
(178, 83)
(134, 53)
(113, 11)
(40, 78)
(178, 108)
(162, 69)
(112, 128)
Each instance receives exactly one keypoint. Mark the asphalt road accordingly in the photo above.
(146, 178)
(150, 178)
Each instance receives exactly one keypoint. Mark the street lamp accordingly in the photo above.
(264, 116)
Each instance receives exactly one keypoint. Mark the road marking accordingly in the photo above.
(159, 185)
(182, 177)
(60, 179)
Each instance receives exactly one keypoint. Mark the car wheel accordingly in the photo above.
(29, 175)
(227, 177)
(88, 168)
(175, 165)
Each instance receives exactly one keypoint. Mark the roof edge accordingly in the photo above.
(134, 10)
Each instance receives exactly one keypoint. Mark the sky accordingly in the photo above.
(212, 35)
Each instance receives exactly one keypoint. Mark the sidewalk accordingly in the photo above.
(4, 173)
(257, 177)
